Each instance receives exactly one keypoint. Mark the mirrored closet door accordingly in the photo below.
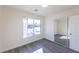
(66, 32)
(61, 31)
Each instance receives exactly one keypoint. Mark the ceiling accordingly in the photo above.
(43, 11)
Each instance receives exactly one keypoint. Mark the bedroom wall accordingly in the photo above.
(1, 29)
(55, 26)
(49, 29)
(13, 28)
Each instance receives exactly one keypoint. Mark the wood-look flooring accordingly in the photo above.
(41, 46)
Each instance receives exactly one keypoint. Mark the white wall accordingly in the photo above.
(13, 29)
(55, 26)
(49, 31)
(1, 29)
(49, 21)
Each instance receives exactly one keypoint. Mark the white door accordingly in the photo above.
(74, 32)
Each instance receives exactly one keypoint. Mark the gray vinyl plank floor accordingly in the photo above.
(41, 46)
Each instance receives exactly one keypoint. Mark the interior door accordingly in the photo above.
(74, 32)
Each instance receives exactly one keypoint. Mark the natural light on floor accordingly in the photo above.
(64, 37)
(40, 50)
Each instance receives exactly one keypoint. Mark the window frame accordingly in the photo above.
(33, 27)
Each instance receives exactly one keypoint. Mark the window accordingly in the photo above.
(31, 27)
(36, 26)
